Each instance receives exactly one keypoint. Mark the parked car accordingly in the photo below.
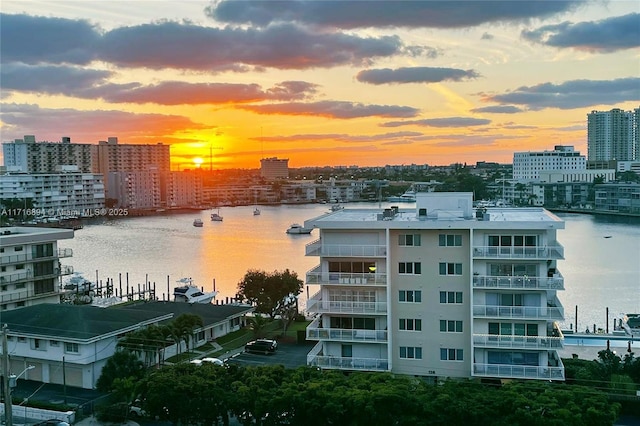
(214, 361)
(264, 346)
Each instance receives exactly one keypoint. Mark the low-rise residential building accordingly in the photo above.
(73, 349)
(30, 268)
(438, 291)
(618, 198)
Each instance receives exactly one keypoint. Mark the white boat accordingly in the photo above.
(408, 197)
(296, 228)
(336, 207)
(256, 212)
(79, 284)
(215, 216)
(190, 293)
(198, 223)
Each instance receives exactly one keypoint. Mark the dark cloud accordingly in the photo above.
(286, 46)
(365, 14)
(572, 94)
(334, 109)
(498, 109)
(33, 40)
(50, 79)
(342, 137)
(414, 75)
(440, 122)
(607, 35)
(91, 126)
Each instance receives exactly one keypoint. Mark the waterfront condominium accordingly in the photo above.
(613, 135)
(31, 271)
(440, 290)
(528, 166)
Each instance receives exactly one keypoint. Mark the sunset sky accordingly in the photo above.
(365, 83)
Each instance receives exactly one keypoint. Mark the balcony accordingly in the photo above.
(519, 312)
(517, 342)
(316, 248)
(508, 371)
(317, 276)
(18, 277)
(316, 359)
(555, 251)
(316, 304)
(314, 332)
(519, 283)
(28, 257)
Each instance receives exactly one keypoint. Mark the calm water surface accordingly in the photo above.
(599, 272)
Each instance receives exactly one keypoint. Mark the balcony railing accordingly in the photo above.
(346, 307)
(519, 283)
(317, 248)
(315, 358)
(17, 296)
(348, 335)
(519, 312)
(517, 342)
(555, 251)
(28, 276)
(518, 371)
(28, 257)
(317, 276)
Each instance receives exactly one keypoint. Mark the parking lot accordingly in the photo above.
(291, 355)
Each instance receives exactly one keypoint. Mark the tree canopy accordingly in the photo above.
(272, 293)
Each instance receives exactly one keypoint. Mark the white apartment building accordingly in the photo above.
(613, 135)
(527, 166)
(29, 156)
(30, 269)
(184, 189)
(274, 168)
(56, 194)
(136, 190)
(438, 291)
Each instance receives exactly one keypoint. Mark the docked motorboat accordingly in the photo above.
(188, 292)
(256, 212)
(296, 228)
(336, 207)
(79, 284)
(198, 223)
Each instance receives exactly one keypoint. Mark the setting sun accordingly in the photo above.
(198, 161)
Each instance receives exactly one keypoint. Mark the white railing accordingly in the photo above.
(348, 307)
(519, 312)
(317, 276)
(317, 248)
(518, 371)
(28, 257)
(348, 363)
(555, 251)
(521, 342)
(521, 282)
(316, 332)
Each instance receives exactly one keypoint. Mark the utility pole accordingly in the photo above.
(8, 414)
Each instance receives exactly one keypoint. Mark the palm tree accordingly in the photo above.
(257, 324)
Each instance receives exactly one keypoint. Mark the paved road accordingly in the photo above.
(291, 355)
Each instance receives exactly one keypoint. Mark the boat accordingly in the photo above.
(188, 292)
(256, 212)
(215, 216)
(198, 223)
(336, 207)
(408, 197)
(79, 284)
(296, 228)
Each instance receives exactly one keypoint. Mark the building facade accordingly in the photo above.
(613, 135)
(527, 166)
(30, 271)
(29, 156)
(274, 168)
(438, 291)
(56, 194)
(618, 198)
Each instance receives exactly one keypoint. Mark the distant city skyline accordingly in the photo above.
(319, 83)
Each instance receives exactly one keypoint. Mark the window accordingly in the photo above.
(410, 324)
(451, 326)
(38, 345)
(18, 248)
(409, 240)
(22, 339)
(447, 354)
(411, 296)
(20, 266)
(410, 268)
(410, 352)
(513, 329)
(54, 343)
(71, 348)
(450, 268)
(450, 297)
(450, 240)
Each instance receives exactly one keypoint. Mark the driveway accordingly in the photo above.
(291, 355)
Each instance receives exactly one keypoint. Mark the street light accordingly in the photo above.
(13, 380)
